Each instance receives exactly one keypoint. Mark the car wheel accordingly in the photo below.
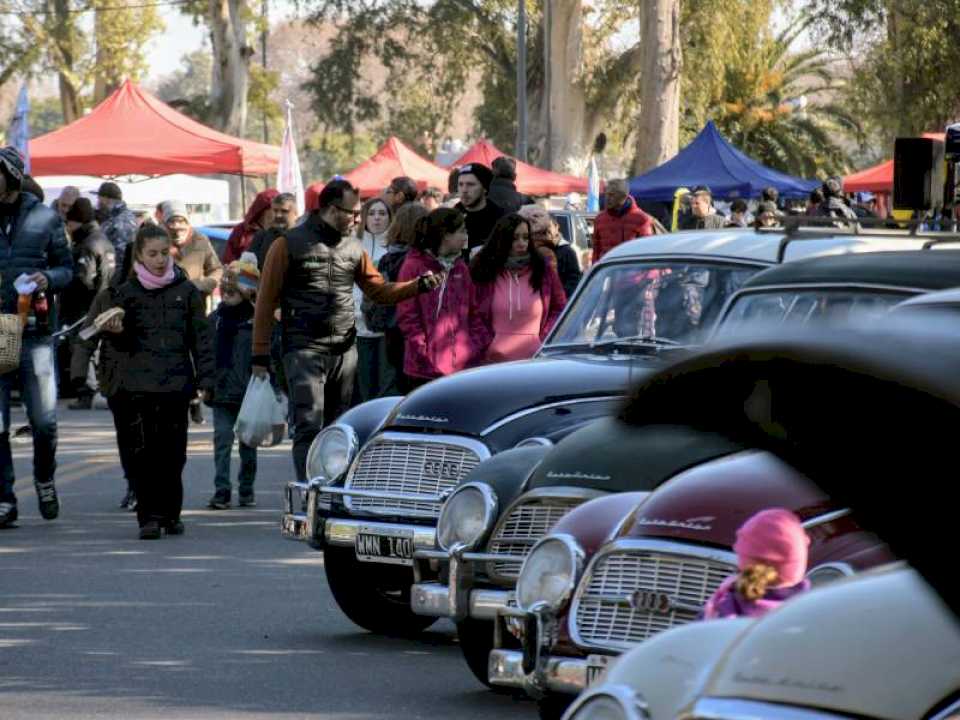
(552, 707)
(476, 642)
(375, 597)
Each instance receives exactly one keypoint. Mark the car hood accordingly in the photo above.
(708, 503)
(881, 645)
(474, 401)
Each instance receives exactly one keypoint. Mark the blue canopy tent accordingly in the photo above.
(712, 161)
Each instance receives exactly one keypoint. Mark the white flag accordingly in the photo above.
(593, 193)
(289, 179)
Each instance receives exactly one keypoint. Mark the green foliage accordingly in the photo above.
(261, 107)
(187, 89)
(45, 115)
(325, 154)
(121, 36)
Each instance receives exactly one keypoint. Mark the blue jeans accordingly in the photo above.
(224, 418)
(38, 384)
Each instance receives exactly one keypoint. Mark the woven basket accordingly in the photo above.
(11, 333)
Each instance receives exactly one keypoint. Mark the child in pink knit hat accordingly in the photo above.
(771, 552)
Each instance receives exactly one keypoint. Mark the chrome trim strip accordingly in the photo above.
(825, 518)
(434, 599)
(667, 547)
(380, 495)
(343, 533)
(444, 555)
(531, 410)
(535, 441)
(490, 506)
(737, 709)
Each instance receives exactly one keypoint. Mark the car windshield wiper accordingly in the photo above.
(613, 343)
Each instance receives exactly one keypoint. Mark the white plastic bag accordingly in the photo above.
(260, 414)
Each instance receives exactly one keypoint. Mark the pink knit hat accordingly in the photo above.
(774, 537)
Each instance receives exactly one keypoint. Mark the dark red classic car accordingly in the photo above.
(611, 574)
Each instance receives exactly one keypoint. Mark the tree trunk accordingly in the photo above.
(69, 92)
(565, 96)
(102, 87)
(231, 60)
(659, 126)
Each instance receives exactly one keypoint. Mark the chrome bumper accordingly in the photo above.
(341, 532)
(299, 520)
(557, 674)
(457, 599)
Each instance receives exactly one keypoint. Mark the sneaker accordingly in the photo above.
(47, 499)
(81, 403)
(8, 514)
(127, 499)
(174, 528)
(219, 501)
(132, 506)
(196, 412)
(150, 530)
(248, 500)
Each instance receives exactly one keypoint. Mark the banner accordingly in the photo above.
(289, 178)
(18, 134)
(593, 187)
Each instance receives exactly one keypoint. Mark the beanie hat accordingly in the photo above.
(774, 537)
(481, 172)
(244, 272)
(173, 209)
(81, 211)
(110, 190)
(11, 165)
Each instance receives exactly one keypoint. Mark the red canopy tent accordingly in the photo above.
(530, 180)
(134, 133)
(373, 176)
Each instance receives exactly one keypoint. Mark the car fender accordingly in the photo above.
(506, 473)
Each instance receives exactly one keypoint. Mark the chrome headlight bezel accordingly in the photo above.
(572, 554)
(826, 573)
(627, 702)
(489, 506)
(318, 465)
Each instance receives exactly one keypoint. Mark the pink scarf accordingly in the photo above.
(151, 281)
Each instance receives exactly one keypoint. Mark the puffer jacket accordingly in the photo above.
(110, 363)
(35, 242)
(94, 262)
(120, 227)
(231, 328)
(613, 227)
(443, 328)
(165, 340)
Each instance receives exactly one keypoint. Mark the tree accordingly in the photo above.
(658, 137)
(120, 35)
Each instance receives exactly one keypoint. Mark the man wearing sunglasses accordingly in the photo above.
(309, 273)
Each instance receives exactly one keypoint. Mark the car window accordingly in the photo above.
(671, 301)
(563, 222)
(803, 307)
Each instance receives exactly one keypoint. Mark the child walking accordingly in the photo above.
(164, 353)
(771, 552)
(232, 328)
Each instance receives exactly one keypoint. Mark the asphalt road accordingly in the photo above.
(227, 621)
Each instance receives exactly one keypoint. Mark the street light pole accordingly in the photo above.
(521, 150)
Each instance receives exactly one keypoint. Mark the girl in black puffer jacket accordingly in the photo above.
(165, 346)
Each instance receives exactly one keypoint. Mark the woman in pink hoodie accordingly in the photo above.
(520, 293)
(443, 330)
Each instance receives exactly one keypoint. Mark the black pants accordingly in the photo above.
(119, 405)
(158, 436)
(320, 386)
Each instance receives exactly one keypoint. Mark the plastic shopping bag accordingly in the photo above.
(262, 418)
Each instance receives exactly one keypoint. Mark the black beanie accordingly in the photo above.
(81, 211)
(481, 172)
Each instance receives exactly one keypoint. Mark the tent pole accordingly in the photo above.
(243, 194)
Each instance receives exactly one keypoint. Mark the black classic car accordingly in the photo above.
(381, 473)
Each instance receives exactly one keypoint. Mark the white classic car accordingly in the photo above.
(881, 646)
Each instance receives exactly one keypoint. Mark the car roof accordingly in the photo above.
(918, 269)
(939, 297)
(762, 247)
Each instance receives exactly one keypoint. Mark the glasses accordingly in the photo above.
(348, 211)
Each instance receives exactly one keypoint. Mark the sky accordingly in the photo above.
(180, 37)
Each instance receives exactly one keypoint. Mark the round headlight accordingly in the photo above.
(331, 453)
(466, 516)
(550, 572)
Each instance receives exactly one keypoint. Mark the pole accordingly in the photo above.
(522, 81)
(264, 31)
(547, 160)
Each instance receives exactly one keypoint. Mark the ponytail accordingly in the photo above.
(754, 580)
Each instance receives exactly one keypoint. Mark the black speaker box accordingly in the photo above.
(918, 173)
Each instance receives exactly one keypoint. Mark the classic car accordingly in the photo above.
(794, 390)
(879, 646)
(381, 472)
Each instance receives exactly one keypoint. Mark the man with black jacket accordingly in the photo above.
(309, 273)
(473, 184)
(503, 188)
(33, 243)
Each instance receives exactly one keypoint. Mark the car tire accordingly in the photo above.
(553, 706)
(476, 642)
(375, 597)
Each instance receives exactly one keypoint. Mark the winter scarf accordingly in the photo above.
(517, 262)
(151, 281)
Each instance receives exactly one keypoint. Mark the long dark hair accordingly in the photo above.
(431, 228)
(147, 231)
(492, 258)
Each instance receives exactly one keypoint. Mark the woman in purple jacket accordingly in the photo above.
(443, 329)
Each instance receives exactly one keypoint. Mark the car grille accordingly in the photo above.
(522, 528)
(403, 466)
(603, 616)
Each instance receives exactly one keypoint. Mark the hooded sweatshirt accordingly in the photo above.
(242, 235)
(444, 329)
(376, 248)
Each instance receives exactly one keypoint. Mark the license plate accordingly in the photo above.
(393, 547)
(597, 668)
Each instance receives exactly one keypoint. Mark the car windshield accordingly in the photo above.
(808, 306)
(662, 302)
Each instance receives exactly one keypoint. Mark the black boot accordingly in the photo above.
(150, 530)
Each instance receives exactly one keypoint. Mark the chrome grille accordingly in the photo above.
(603, 616)
(398, 466)
(523, 527)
